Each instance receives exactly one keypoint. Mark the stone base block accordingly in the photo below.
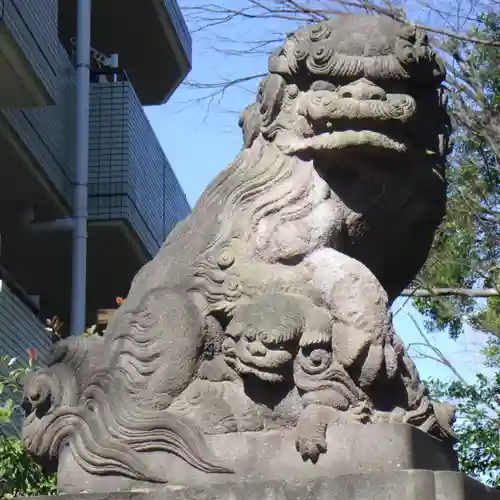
(271, 456)
(395, 485)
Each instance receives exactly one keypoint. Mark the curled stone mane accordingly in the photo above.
(261, 181)
(329, 50)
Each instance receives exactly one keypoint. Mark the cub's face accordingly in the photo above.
(262, 345)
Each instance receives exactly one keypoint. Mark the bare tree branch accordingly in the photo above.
(218, 89)
(441, 358)
(293, 10)
(447, 292)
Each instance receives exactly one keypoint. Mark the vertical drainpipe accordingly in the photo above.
(79, 261)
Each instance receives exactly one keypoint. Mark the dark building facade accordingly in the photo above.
(134, 196)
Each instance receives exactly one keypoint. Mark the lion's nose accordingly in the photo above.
(362, 90)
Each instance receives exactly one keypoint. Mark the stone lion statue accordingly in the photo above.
(266, 309)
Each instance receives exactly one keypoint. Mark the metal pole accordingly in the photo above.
(79, 264)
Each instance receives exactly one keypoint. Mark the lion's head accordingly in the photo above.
(361, 97)
(355, 83)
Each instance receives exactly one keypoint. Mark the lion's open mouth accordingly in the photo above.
(268, 374)
(342, 139)
(341, 134)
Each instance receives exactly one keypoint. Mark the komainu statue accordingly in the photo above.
(258, 341)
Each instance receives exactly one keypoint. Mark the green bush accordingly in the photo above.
(20, 475)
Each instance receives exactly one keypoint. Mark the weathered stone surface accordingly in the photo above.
(266, 310)
(351, 447)
(395, 485)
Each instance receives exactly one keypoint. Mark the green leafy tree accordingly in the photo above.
(466, 253)
(477, 430)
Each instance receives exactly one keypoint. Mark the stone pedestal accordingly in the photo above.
(260, 457)
(394, 485)
(363, 462)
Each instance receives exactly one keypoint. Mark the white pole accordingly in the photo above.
(79, 263)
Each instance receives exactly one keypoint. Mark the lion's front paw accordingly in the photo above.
(312, 443)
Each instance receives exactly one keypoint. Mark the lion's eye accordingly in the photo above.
(323, 85)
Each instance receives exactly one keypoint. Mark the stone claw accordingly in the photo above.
(311, 447)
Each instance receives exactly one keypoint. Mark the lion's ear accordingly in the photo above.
(250, 124)
(271, 98)
(263, 112)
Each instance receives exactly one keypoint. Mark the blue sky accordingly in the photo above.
(200, 140)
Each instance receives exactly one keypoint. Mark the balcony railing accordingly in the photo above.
(28, 34)
(130, 177)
